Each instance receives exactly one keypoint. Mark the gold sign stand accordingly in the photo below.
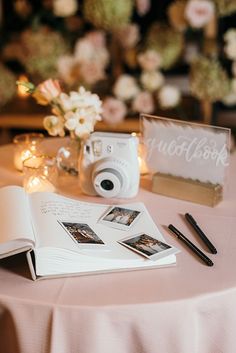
(185, 189)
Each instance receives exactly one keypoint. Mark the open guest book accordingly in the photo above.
(63, 236)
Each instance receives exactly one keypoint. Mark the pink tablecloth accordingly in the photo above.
(189, 308)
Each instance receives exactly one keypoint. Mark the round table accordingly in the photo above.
(181, 309)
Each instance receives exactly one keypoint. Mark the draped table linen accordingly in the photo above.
(187, 308)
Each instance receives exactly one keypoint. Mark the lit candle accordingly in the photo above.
(20, 157)
(141, 154)
(26, 145)
(40, 174)
(142, 166)
(38, 184)
(142, 162)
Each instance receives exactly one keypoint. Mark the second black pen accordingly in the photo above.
(191, 246)
(202, 235)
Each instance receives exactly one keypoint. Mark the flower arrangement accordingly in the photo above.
(87, 65)
(112, 49)
(76, 112)
(142, 94)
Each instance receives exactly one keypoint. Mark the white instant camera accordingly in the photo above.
(109, 165)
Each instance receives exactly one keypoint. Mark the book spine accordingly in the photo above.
(30, 260)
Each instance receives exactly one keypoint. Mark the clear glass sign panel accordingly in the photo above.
(188, 150)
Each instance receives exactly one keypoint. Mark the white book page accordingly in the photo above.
(49, 262)
(54, 245)
(15, 222)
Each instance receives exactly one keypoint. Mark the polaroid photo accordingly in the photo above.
(81, 233)
(120, 217)
(147, 246)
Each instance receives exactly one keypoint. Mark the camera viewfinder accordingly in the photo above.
(97, 148)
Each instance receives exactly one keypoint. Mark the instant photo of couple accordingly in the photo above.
(121, 217)
(146, 245)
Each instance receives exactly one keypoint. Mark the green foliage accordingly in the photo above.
(167, 42)
(108, 14)
(208, 80)
(7, 85)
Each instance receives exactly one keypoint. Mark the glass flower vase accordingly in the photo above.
(68, 157)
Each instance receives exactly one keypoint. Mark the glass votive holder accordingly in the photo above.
(40, 174)
(25, 146)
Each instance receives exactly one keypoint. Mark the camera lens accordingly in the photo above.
(107, 184)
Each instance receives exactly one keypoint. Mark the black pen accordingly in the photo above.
(198, 230)
(193, 247)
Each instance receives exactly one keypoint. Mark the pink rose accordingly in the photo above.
(143, 103)
(91, 72)
(68, 69)
(47, 91)
(86, 50)
(114, 110)
(128, 35)
(143, 6)
(97, 39)
(199, 12)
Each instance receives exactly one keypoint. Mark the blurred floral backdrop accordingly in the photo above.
(175, 58)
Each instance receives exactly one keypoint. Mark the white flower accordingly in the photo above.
(152, 80)
(169, 97)
(54, 125)
(230, 99)
(230, 50)
(150, 60)
(81, 122)
(230, 35)
(114, 110)
(64, 8)
(65, 102)
(125, 87)
(81, 100)
(90, 100)
(199, 12)
(143, 103)
(82, 109)
(230, 47)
